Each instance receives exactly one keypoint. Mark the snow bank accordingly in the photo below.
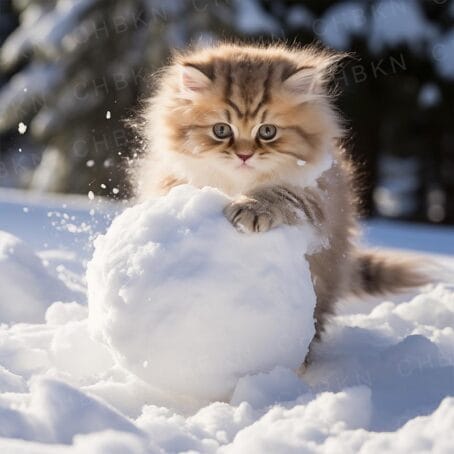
(56, 412)
(27, 288)
(190, 305)
(384, 365)
(377, 371)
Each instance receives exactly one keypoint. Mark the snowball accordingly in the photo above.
(174, 286)
(27, 288)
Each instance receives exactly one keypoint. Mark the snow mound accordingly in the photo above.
(27, 288)
(190, 305)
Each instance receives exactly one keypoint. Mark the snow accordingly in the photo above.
(250, 18)
(33, 288)
(399, 22)
(442, 52)
(341, 22)
(382, 380)
(384, 24)
(433, 239)
(22, 128)
(176, 272)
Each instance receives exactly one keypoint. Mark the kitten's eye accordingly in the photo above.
(222, 130)
(267, 132)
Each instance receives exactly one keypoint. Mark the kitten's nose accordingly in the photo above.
(244, 157)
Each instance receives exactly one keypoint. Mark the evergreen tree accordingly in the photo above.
(83, 64)
(8, 22)
(397, 93)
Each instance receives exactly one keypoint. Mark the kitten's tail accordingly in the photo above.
(377, 272)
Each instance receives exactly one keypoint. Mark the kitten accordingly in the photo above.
(258, 123)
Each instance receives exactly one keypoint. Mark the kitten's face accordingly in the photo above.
(248, 118)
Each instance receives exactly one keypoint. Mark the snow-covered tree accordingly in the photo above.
(8, 21)
(398, 91)
(83, 64)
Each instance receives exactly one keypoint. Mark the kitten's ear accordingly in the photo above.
(310, 82)
(306, 82)
(192, 80)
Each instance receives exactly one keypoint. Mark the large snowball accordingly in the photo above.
(190, 305)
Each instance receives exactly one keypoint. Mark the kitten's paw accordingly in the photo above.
(250, 216)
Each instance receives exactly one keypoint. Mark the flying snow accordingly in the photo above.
(22, 128)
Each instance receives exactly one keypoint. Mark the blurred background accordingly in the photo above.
(72, 70)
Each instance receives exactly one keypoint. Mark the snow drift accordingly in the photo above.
(380, 380)
(27, 288)
(190, 305)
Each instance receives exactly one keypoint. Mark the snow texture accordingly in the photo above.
(382, 380)
(27, 288)
(178, 275)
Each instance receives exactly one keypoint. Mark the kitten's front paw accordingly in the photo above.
(249, 216)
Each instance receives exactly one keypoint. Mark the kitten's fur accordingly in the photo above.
(301, 176)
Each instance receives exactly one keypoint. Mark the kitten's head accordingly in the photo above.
(245, 115)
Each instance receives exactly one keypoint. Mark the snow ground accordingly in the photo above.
(381, 381)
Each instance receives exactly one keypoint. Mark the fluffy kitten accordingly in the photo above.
(258, 123)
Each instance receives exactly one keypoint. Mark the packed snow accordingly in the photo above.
(382, 380)
(198, 294)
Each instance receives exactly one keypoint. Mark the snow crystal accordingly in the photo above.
(176, 273)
